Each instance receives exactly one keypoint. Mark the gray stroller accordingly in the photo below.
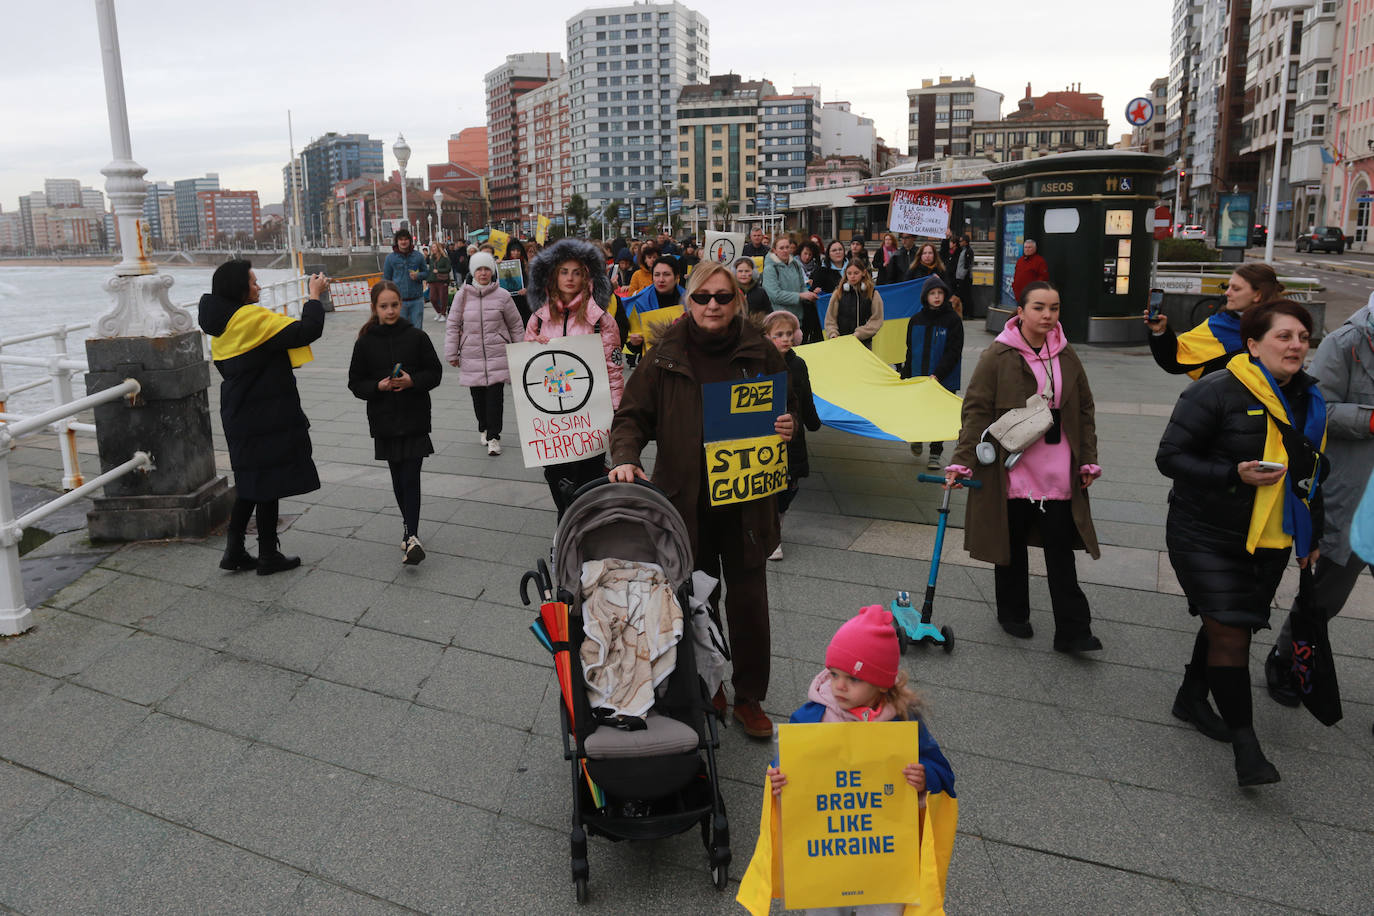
(661, 780)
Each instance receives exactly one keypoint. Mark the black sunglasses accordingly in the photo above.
(723, 297)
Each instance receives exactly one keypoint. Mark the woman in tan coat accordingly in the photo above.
(1043, 497)
(855, 307)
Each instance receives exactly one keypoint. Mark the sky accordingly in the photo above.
(209, 85)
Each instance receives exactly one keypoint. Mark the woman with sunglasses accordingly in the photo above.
(663, 402)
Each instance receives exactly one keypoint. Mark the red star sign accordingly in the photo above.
(1139, 112)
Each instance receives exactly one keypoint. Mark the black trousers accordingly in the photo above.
(489, 403)
(720, 547)
(267, 519)
(564, 479)
(1072, 618)
(405, 483)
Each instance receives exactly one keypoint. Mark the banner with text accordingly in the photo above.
(919, 213)
(562, 398)
(498, 241)
(850, 821)
(745, 458)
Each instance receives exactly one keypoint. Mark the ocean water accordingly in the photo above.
(39, 298)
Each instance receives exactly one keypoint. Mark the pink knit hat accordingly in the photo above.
(865, 647)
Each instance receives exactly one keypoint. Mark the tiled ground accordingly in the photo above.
(362, 737)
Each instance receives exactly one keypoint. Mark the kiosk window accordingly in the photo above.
(1061, 221)
(1119, 222)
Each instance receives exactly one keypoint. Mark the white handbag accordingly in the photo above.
(1019, 428)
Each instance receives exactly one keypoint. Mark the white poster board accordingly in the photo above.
(723, 247)
(562, 398)
(920, 214)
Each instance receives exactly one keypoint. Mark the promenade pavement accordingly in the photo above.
(361, 737)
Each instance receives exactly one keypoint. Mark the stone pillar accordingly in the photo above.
(184, 496)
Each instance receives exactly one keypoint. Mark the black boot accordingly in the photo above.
(1252, 768)
(236, 557)
(1278, 677)
(271, 560)
(1191, 705)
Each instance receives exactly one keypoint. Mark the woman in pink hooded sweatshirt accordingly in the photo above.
(1043, 498)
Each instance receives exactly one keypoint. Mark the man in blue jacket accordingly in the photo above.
(408, 269)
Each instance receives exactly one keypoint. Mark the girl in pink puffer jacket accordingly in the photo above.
(482, 320)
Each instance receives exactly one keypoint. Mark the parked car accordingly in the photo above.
(1321, 238)
(1193, 232)
(1259, 235)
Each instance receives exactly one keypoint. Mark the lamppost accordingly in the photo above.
(1289, 7)
(401, 149)
(439, 210)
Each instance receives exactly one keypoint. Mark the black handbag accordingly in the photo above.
(1314, 669)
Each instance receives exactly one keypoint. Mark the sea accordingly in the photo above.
(38, 298)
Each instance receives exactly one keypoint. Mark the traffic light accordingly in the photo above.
(1182, 174)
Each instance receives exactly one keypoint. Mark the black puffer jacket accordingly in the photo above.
(392, 414)
(799, 378)
(1216, 424)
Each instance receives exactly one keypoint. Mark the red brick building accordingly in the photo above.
(224, 215)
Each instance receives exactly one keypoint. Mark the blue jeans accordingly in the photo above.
(413, 310)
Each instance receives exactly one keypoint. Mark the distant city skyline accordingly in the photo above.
(190, 115)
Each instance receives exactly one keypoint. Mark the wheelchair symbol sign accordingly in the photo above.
(557, 381)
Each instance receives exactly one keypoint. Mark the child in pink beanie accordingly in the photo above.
(863, 682)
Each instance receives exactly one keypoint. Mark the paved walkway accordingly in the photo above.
(362, 737)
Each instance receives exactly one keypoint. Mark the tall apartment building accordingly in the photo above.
(627, 65)
(791, 139)
(940, 116)
(325, 162)
(544, 133)
(719, 130)
(844, 133)
(1315, 117)
(225, 215)
(31, 208)
(1180, 107)
(519, 74)
(188, 206)
(62, 192)
(468, 148)
(1150, 138)
(11, 232)
(1216, 165)
(153, 209)
(1055, 122)
(93, 198)
(1352, 193)
(1271, 75)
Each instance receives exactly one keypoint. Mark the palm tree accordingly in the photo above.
(724, 210)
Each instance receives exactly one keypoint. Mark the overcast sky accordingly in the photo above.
(209, 85)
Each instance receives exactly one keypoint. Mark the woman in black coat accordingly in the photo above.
(1242, 448)
(255, 351)
(394, 368)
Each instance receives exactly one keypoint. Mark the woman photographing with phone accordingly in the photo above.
(1244, 450)
(1210, 346)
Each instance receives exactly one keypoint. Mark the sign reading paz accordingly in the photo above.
(850, 821)
(562, 398)
(745, 458)
(919, 213)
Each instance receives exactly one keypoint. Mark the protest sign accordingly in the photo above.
(498, 241)
(919, 213)
(349, 292)
(511, 275)
(745, 458)
(850, 821)
(541, 231)
(723, 247)
(562, 398)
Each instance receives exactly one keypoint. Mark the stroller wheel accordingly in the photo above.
(720, 876)
(580, 885)
(948, 633)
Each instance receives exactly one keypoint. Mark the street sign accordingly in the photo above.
(1139, 112)
(1164, 223)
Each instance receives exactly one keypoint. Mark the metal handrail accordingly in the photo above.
(127, 388)
(140, 461)
(60, 370)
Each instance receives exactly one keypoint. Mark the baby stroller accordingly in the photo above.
(631, 785)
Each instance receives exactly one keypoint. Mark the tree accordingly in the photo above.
(577, 211)
(724, 210)
(610, 214)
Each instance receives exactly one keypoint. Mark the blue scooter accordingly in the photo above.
(910, 628)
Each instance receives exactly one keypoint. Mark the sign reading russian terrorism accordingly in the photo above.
(745, 458)
(850, 821)
(562, 398)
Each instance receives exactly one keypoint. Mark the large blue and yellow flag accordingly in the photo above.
(858, 392)
(900, 302)
(647, 318)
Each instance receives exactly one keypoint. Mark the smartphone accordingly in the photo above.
(1271, 466)
(396, 371)
(1156, 303)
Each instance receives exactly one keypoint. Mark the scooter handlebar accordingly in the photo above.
(966, 481)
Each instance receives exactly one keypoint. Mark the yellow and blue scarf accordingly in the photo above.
(1274, 523)
(251, 326)
(1216, 337)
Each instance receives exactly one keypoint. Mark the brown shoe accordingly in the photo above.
(719, 701)
(756, 723)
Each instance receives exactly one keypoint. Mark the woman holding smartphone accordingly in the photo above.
(1244, 450)
(1210, 346)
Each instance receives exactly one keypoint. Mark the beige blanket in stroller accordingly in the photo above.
(632, 623)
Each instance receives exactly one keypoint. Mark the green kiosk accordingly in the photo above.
(1090, 214)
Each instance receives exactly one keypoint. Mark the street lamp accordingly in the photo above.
(1289, 7)
(401, 149)
(439, 210)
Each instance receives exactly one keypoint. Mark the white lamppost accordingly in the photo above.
(439, 210)
(1290, 7)
(402, 151)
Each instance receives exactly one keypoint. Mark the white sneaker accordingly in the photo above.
(493, 446)
(482, 437)
(776, 554)
(414, 552)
